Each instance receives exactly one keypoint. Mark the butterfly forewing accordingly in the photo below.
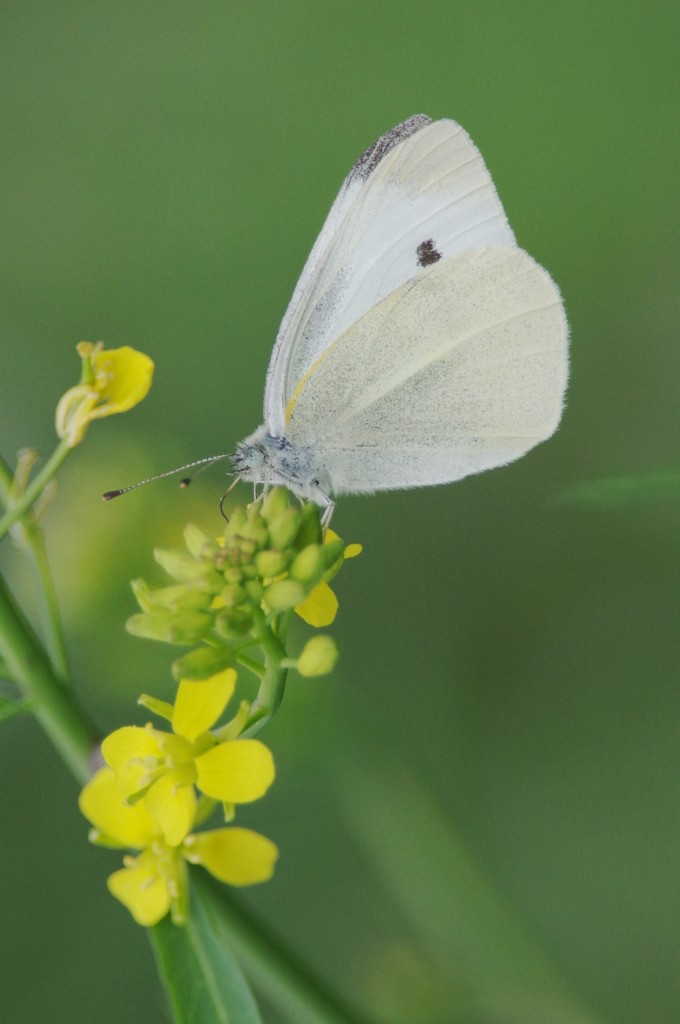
(419, 195)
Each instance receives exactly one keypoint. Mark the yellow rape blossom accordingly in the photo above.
(155, 880)
(161, 769)
(112, 381)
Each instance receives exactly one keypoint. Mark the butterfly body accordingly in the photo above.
(266, 459)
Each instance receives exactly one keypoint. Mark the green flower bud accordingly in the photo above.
(185, 568)
(232, 574)
(274, 504)
(242, 550)
(253, 537)
(202, 663)
(249, 571)
(233, 624)
(232, 595)
(283, 529)
(318, 657)
(254, 590)
(334, 552)
(284, 594)
(178, 598)
(200, 543)
(237, 520)
(142, 592)
(309, 565)
(270, 564)
(310, 526)
(186, 628)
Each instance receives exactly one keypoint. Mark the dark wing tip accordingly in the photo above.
(369, 160)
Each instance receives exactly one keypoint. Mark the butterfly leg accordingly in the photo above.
(329, 509)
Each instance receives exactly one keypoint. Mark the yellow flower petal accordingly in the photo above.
(103, 805)
(320, 607)
(112, 381)
(74, 412)
(142, 890)
(133, 754)
(352, 550)
(122, 377)
(171, 802)
(200, 703)
(128, 743)
(236, 772)
(237, 856)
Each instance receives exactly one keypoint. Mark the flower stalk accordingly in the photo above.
(65, 723)
(273, 682)
(19, 508)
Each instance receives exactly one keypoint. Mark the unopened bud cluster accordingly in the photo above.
(271, 557)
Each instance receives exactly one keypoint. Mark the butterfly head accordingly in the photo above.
(266, 459)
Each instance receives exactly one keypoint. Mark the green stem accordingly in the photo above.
(34, 539)
(63, 721)
(284, 625)
(273, 681)
(33, 542)
(35, 489)
(49, 606)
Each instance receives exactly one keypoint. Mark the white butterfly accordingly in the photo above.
(421, 344)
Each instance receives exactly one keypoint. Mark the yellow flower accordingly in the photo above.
(155, 880)
(161, 769)
(321, 606)
(112, 381)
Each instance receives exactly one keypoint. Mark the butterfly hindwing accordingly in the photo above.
(461, 369)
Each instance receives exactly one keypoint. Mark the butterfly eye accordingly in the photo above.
(252, 457)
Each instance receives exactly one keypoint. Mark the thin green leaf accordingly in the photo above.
(615, 492)
(203, 980)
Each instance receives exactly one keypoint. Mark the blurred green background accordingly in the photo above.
(165, 170)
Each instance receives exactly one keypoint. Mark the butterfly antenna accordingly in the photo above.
(203, 463)
(190, 479)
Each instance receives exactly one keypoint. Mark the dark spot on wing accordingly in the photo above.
(427, 253)
(369, 160)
